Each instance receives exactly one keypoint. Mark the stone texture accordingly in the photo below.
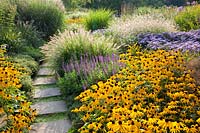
(3, 120)
(44, 80)
(59, 126)
(50, 107)
(41, 93)
(46, 64)
(45, 71)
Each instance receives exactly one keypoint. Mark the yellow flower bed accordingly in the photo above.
(154, 93)
(13, 101)
(74, 21)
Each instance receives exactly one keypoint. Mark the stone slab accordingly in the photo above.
(45, 71)
(59, 126)
(41, 93)
(44, 80)
(44, 108)
(3, 120)
(46, 64)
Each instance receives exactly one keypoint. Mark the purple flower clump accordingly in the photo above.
(184, 41)
(89, 68)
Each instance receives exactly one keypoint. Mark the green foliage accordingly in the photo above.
(154, 3)
(75, 3)
(32, 40)
(69, 84)
(31, 36)
(70, 88)
(26, 82)
(98, 19)
(46, 16)
(7, 15)
(167, 12)
(30, 67)
(33, 52)
(189, 18)
(19, 37)
(27, 62)
(176, 2)
(118, 5)
(76, 14)
(8, 33)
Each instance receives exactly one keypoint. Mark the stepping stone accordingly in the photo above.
(3, 120)
(59, 126)
(41, 93)
(45, 71)
(44, 80)
(50, 107)
(46, 64)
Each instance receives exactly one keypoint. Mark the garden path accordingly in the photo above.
(48, 103)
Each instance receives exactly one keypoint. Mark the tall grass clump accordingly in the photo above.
(189, 18)
(72, 45)
(126, 28)
(45, 15)
(98, 19)
(32, 37)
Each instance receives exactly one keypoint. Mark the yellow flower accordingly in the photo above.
(198, 120)
(153, 93)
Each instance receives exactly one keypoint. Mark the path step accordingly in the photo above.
(45, 71)
(42, 93)
(46, 64)
(44, 108)
(44, 80)
(59, 126)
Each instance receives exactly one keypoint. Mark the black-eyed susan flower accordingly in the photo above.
(153, 93)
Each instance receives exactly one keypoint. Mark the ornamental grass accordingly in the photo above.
(153, 93)
(73, 45)
(14, 105)
(127, 27)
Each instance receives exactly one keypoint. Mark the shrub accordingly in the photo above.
(30, 35)
(189, 18)
(26, 61)
(126, 28)
(7, 12)
(13, 101)
(98, 19)
(26, 83)
(68, 45)
(184, 41)
(43, 14)
(154, 93)
(8, 33)
(33, 52)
